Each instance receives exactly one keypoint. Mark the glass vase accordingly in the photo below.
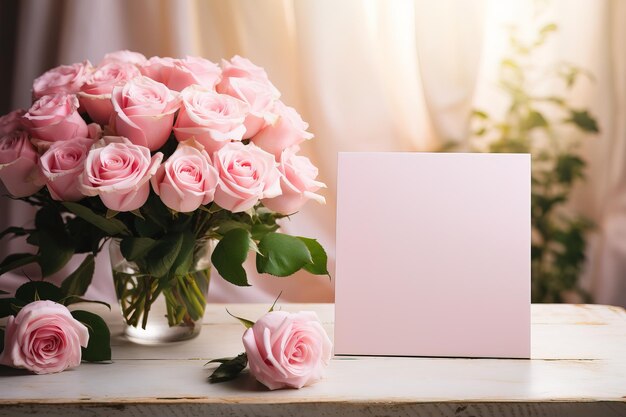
(159, 310)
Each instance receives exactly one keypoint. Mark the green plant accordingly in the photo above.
(549, 128)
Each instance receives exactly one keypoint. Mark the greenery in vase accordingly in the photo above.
(536, 124)
(162, 155)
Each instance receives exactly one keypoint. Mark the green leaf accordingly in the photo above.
(79, 280)
(55, 246)
(282, 255)
(85, 236)
(274, 303)
(226, 226)
(112, 227)
(247, 323)
(38, 290)
(16, 260)
(111, 213)
(99, 347)
(73, 299)
(259, 230)
(550, 27)
(319, 266)
(10, 306)
(229, 255)
(480, 114)
(229, 368)
(584, 121)
(134, 248)
(184, 260)
(533, 120)
(160, 259)
(569, 167)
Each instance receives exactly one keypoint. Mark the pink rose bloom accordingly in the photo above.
(144, 112)
(65, 79)
(126, 56)
(54, 118)
(287, 350)
(95, 94)
(297, 183)
(61, 166)
(43, 338)
(11, 121)
(18, 164)
(288, 130)
(210, 118)
(239, 67)
(118, 171)
(177, 74)
(247, 174)
(186, 180)
(260, 97)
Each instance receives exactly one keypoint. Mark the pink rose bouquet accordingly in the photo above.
(192, 152)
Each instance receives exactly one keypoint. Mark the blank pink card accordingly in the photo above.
(433, 255)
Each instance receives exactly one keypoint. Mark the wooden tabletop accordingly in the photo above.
(578, 368)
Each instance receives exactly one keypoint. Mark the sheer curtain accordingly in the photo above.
(397, 75)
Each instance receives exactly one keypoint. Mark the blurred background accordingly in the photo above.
(546, 77)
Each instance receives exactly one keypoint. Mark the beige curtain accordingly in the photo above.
(396, 75)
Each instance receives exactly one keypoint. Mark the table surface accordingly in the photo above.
(578, 367)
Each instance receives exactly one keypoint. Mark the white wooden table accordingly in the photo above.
(578, 369)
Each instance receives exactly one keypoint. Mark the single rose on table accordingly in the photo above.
(43, 338)
(282, 350)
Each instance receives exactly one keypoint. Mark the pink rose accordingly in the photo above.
(260, 97)
(239, 67)
(126, 56)
(11, 121)
(186, 180)
(54, 118)
(118, 171)
(177, 74)
(288, 130)
(43, 338)
(95, 94)
(61, 166)
(144, 111)
(287, 349)
(65, 79)
(18, 164)
(210, 118)
(247, 174)
(297, 183)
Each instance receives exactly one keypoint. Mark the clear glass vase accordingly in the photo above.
(165, 309)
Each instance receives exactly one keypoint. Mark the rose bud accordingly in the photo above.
(144, 112)
(18, 164)
(247, 174)
(43, 338)
(186, 180)
(287, 350)
(210, 118)
(118, 171)
(297, 183)
(53, 118)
